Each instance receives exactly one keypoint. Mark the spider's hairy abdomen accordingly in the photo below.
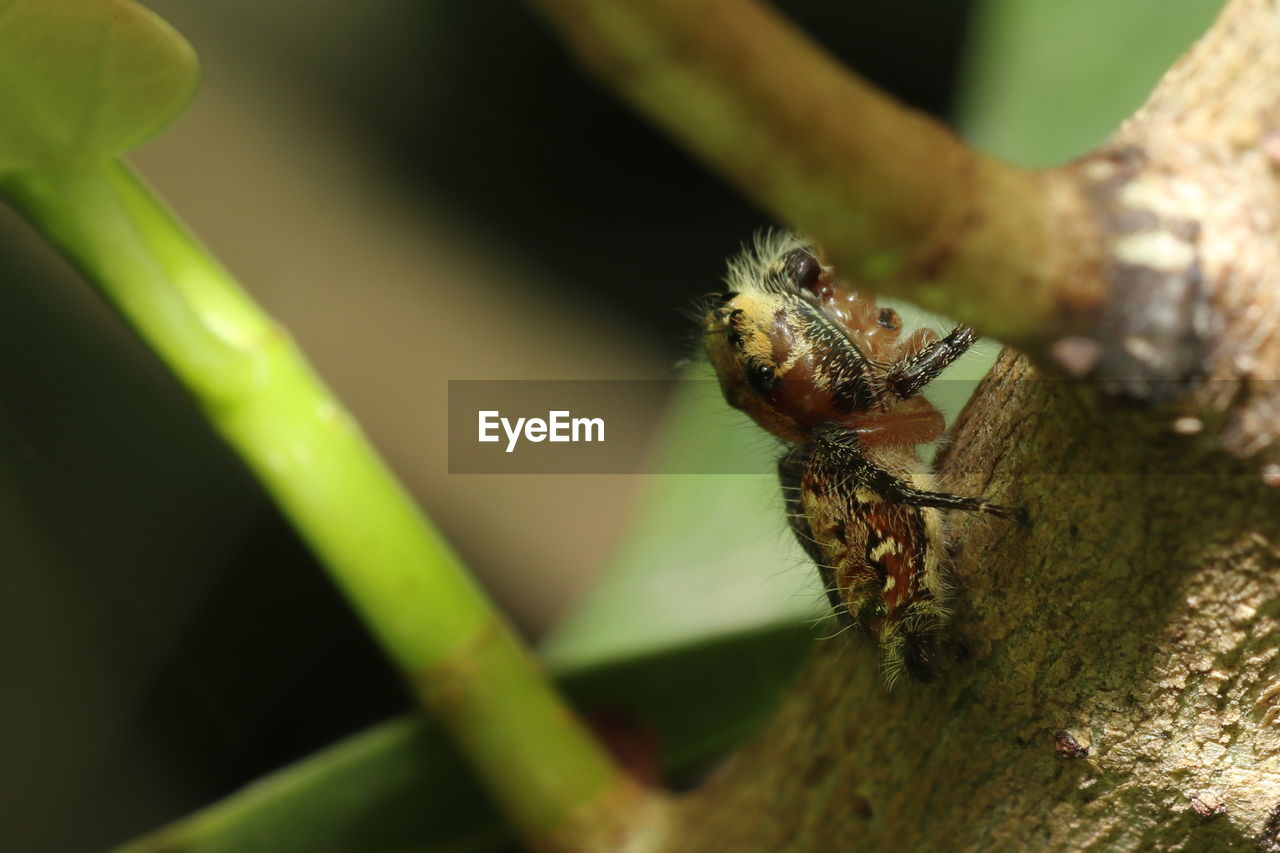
(880, 561)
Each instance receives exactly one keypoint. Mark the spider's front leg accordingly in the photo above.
(902, 493)
(922, 363)
(847, 449)
(898, 491)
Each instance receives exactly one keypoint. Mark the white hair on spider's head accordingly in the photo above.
(759, 265)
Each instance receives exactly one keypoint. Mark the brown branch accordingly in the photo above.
(1146, 266)
(1188, 195)
(893, 197)
(1223, 91)
(1137, 615)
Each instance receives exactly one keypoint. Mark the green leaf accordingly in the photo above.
(1047, 80)
(401, 786)
(705, 555)
(82, 81)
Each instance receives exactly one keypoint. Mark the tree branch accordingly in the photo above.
(1188, 195)
(1136, 618)
(1147, 266)
(893, 197)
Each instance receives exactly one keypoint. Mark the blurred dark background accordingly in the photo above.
(420, 192)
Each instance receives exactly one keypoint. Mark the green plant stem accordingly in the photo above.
(394, 567)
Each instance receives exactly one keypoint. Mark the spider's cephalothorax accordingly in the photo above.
(831, 374)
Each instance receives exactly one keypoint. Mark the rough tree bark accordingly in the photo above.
(1123, 682)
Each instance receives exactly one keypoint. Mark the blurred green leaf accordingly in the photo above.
(84, 80)
(1047, 80)
(402, 787)
(706, 555)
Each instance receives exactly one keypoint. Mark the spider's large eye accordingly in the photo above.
(889, 319)
(803, 269)
(735, 336)
(761, 376)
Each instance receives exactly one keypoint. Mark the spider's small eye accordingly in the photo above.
(889, 319)
(803, 269)
(761, 377)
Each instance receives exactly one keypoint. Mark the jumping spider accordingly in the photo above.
(831, 374)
